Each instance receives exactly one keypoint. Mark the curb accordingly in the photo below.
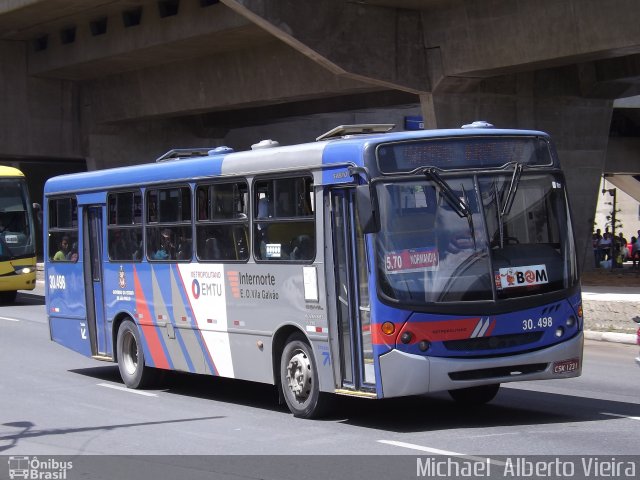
(627, 338)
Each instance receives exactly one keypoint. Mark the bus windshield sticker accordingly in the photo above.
(11, 238)
(273, 250)
(525, 276)
(412, 260)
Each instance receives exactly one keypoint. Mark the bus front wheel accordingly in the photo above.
(475, 395)
(133, 371)
(299, 379)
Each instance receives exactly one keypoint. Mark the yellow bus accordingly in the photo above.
(17, 235)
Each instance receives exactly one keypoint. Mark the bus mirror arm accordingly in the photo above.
(365, 202)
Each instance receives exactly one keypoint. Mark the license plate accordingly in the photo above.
(566, 366)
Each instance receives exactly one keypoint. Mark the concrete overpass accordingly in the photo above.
(117, 82)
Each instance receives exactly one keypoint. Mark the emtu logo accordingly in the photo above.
(206, 289)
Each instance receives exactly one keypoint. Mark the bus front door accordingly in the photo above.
(92, 254)
(352, 294)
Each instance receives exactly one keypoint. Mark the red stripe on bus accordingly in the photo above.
(438, 331)
(149, 331)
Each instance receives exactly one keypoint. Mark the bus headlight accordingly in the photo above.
(23, 270)
(571, 321)
(424, 345)
(559, 332)
(405, 337)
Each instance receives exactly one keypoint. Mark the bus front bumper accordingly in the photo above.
(407, 374)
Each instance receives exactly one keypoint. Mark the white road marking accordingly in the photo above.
(494, 435)
(437, 451)
(128, 390)
(621, 416)
(9, 319)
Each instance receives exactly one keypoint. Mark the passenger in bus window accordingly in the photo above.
(166, 249)
(184, 246)
(61, 254)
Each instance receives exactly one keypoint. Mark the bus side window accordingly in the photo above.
(223, 235)
(124, 231)
(170, 237)
(284, 226)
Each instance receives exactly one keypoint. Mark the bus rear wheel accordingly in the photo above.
(299, 379)
(133, 371)
(475, 395)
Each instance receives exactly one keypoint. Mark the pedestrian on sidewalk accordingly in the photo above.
(635, 252)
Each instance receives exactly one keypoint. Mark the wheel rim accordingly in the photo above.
(299, 375)
(130, 353)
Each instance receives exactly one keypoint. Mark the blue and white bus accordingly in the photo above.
(370, 263)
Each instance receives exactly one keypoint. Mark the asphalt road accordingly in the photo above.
(56, 402)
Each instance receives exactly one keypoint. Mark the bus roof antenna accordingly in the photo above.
(360, 129)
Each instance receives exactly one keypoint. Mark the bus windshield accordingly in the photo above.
(16, 225)
(505, 237)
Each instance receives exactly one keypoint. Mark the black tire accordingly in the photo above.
(475, 395)
(7, 298)
(299, 379)
(134, 373)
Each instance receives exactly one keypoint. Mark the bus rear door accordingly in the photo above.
(351, 279)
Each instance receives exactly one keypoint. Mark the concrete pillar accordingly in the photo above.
(39, 116)
(547, 101)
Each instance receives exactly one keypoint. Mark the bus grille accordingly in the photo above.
(497, 372)
(493, 343)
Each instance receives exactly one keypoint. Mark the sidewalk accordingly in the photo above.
(610, 300)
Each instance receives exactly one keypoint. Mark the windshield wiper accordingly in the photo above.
(509, 198)
(513, 187)
(459, 205)
(469, 218)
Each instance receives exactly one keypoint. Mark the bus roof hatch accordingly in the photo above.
(178, 153)
(342, 130)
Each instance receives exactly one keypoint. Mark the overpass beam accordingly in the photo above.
(377, 45)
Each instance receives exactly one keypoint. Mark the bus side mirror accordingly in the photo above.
(367, 216)
(37, 212)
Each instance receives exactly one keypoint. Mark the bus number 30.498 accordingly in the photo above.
(543, 322)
